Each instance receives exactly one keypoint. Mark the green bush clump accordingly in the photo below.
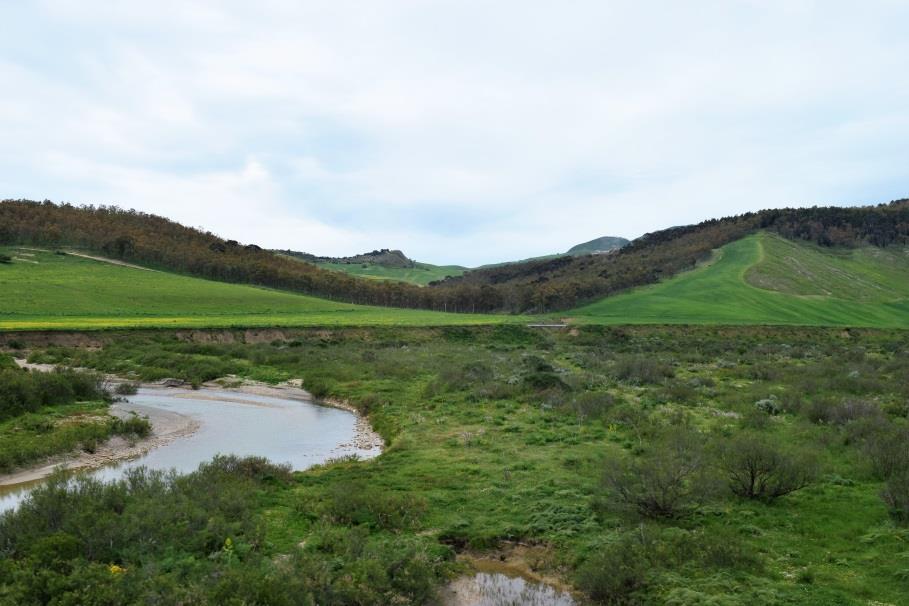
(22, 391)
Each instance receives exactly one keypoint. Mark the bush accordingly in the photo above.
(840, 413)
(896, 495)
(758, 468)
(127, 389)
(665, 481)
(642, 370)
(592, 404)
(22, 391)
(616, 575)
(354, 503)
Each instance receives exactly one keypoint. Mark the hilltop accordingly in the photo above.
(597, 246)
(382, 264)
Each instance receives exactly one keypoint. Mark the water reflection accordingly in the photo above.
(498, 589)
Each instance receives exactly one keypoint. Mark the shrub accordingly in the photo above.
(127, 389)
(758, 468)
(642, 370)
(841, 413)
(616, 574)
(663, 482)
(592, 404)
(896, 495)
(355, 503)
(886, 446)
(542, 381)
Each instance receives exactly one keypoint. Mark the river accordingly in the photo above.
(192, 426)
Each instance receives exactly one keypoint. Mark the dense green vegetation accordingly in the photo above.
(764, 279)
(539, 286)
(41, 289)
(47, 414)
(641, 464)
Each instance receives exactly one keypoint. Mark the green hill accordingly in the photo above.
(420, 274)
(765, 279)
(599, 245)
(43, 290)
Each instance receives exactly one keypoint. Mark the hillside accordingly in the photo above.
(43, 290)
(536, 286)
(599, 245)
(766, 279)
(384, 264)
(421, 274)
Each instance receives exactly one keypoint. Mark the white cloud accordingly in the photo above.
(458, 131)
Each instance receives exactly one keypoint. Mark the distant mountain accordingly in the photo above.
(384, 257)
(599, 245)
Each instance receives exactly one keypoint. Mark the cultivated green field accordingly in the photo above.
(422, 274)
(764, 279)
(43, 290)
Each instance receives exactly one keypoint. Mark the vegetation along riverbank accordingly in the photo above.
(677, 465)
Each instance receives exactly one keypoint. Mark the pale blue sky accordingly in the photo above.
(460, 131)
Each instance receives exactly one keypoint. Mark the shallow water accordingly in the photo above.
(499, 589)
(300, 433)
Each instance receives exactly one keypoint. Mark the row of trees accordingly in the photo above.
(539, 286)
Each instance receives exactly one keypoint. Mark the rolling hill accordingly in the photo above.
(599, 245)
(421, 274)
(41, 290)
(766, 279)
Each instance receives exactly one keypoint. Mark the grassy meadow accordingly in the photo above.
(42, 290)
(607, 458)
(764, 279)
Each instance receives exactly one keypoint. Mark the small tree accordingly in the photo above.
(663, 482)
(757, 468)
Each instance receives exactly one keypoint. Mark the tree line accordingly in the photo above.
(532, 286)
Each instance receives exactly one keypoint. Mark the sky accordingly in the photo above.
(461, 132)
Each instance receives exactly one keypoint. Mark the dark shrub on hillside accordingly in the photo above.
(543, 381)
(757, 467)
(641, 370)
(5, 259)
(896, 495)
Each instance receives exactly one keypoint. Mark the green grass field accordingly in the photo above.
(422, 274)
(41, 290)
(764, 279)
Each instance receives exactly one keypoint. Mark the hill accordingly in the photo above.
(536, 286)
(766, 279)
(41, 289)
(384, 264)
(421, 274)
(601, 245)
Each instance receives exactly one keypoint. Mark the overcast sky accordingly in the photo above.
(461, 131)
